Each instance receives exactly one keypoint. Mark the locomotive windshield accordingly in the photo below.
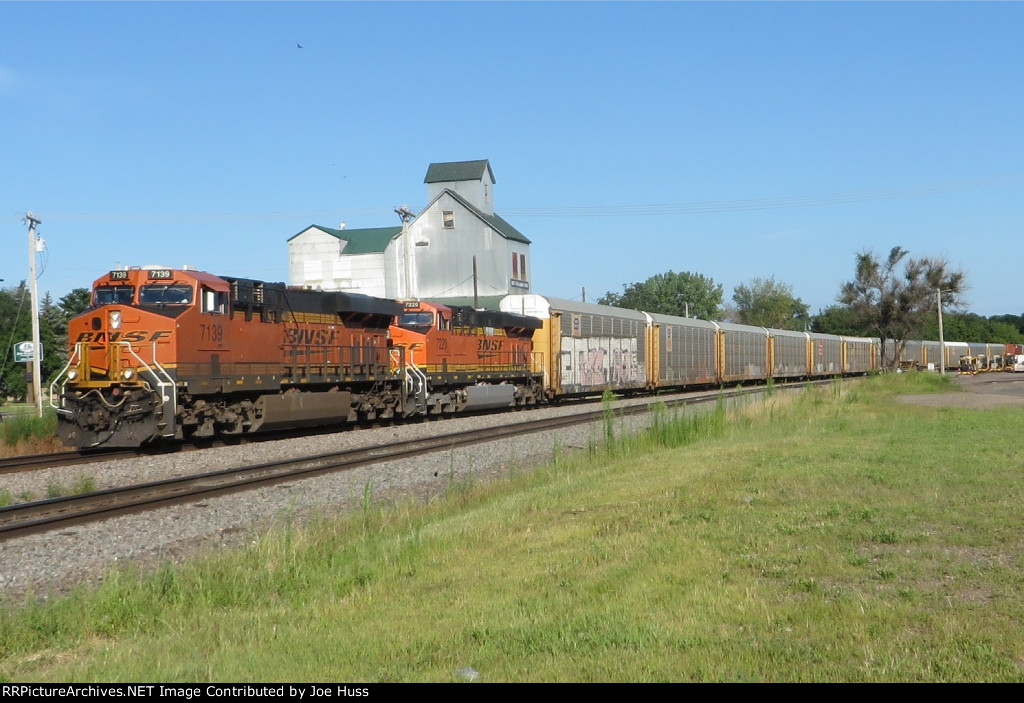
(419, 322)
(113, 295)
(166, 293)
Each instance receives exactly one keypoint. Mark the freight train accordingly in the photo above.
(177, 354)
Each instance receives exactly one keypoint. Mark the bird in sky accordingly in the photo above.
(298, 45)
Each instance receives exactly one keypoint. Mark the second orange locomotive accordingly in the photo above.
(461, 358)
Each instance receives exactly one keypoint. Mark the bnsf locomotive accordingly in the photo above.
(461, 358)
(177, 354)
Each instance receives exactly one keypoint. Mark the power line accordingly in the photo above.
(797, 201)
(680, 208)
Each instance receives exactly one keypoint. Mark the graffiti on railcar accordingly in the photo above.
(596, 362)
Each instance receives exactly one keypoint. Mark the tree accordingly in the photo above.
(1016, 321)
(893, 302)
(671, 293)
(53, 335)
(15, 326)
(969, 327)
(53, 328)
(75, 303)
(836, 319)
(768, 303)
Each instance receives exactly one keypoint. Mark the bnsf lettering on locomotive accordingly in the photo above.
(490, 344)
(305, 336)
(134, 336)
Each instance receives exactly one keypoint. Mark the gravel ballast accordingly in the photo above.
(53, 562)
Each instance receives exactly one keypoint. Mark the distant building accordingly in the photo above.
(457, 226)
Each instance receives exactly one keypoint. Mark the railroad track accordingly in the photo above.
(53, 460)
(58, 513)
(36, 462)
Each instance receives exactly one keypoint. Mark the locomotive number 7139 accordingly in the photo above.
(212, 333)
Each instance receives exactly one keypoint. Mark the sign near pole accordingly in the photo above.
(24, 352)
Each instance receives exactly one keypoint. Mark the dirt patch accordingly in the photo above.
(981, 392)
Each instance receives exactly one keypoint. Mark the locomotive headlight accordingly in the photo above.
(115, 319)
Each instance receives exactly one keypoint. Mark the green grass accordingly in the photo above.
(25, 433)
(826, 535)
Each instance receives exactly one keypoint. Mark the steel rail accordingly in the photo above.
(56, 513)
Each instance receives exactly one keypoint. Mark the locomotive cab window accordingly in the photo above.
(166, 294)
(419, 322)
(215, 302)
(113, 295)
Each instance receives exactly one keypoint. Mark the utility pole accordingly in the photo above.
(406, 215)
(942, 341)
(37, 382)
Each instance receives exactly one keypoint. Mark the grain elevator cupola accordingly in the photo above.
(473, 180)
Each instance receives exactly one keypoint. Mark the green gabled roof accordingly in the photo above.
(458, 171)
(373, 240)
(504, 228)
(497, 223)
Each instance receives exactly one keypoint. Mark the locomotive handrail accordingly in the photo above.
(414, 381)
(421, 391)
(62, 375)
(162, 382)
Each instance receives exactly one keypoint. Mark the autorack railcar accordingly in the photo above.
(587, 348)
(789, 354)
(681, 352)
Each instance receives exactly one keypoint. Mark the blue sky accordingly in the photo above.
(734, 140)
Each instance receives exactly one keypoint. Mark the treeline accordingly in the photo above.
(960, 327)
(16, 326)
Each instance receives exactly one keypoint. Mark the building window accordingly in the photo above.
(515, 266)
(522, 265)
(448, 217)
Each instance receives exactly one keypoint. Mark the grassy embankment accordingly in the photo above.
(21, 432)
(827, 535)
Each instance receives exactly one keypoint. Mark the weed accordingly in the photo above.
(55, 489)
(25, 427)
(609, 416)
(83, 484)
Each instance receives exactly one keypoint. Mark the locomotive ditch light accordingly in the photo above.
(115, 319)
(128, 373)
(72, 374)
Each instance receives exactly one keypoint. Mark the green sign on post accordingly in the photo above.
(23, 352)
